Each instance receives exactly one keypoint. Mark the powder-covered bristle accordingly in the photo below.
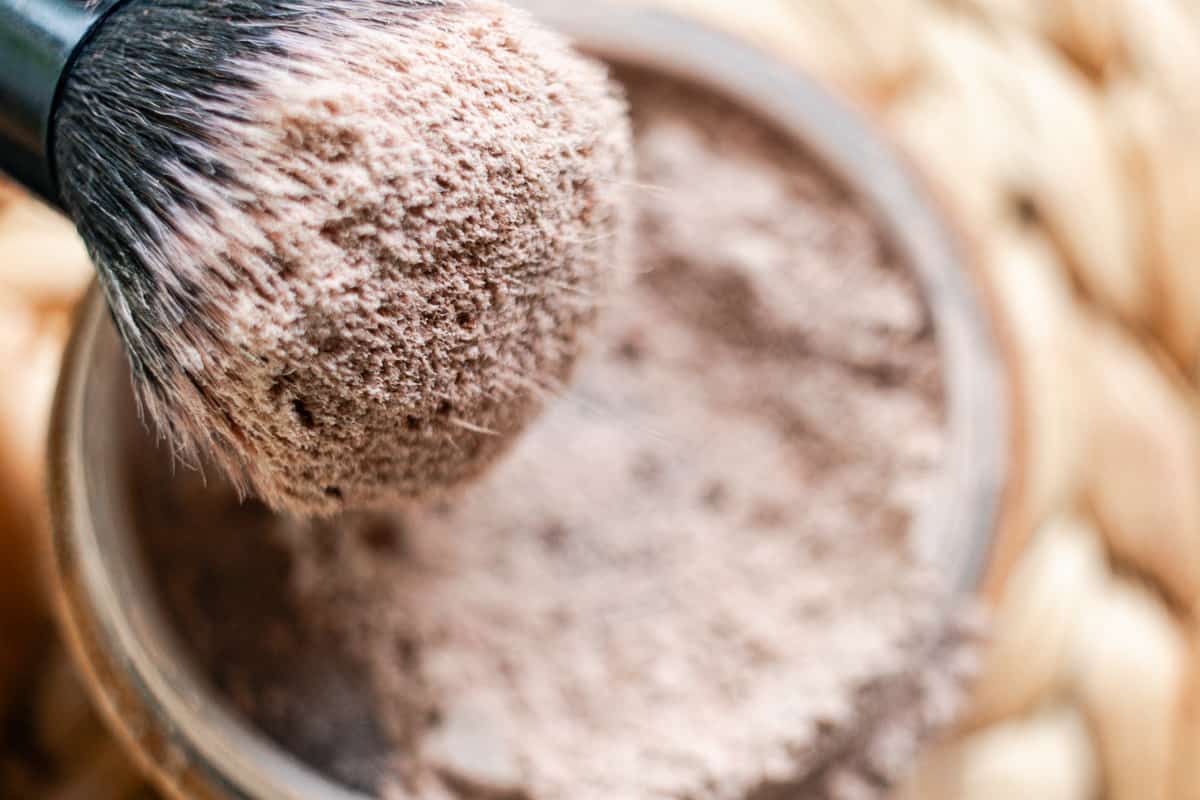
(350, 246)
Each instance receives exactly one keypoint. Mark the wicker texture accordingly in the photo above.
(1062, 133)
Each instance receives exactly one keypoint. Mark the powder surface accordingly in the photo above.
(692, 577)
(418, 208)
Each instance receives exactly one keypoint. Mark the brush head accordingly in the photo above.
(350, 247)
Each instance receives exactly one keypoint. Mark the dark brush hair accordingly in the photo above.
(137, 130)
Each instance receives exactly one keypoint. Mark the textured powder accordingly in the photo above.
(691, 578)
(428, 208)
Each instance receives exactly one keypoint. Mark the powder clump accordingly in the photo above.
(417, 208)
(694, 576)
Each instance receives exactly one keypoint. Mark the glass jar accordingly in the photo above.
(176, 725)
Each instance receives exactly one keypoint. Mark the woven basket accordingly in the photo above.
(1063, 133)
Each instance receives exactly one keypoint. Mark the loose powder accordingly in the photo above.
(692, 578)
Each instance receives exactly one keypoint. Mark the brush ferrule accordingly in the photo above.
(38, 42)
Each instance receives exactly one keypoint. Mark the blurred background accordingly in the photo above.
(1062, 135)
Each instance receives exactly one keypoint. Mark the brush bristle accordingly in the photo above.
(350, 246)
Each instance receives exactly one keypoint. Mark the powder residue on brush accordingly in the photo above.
(694, 576)
(392, 250)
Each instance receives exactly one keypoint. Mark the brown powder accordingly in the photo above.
(692, 577)
(431, 207)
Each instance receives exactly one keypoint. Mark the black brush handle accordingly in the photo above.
(38, 42)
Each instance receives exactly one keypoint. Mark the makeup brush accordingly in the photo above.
(350, 245)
